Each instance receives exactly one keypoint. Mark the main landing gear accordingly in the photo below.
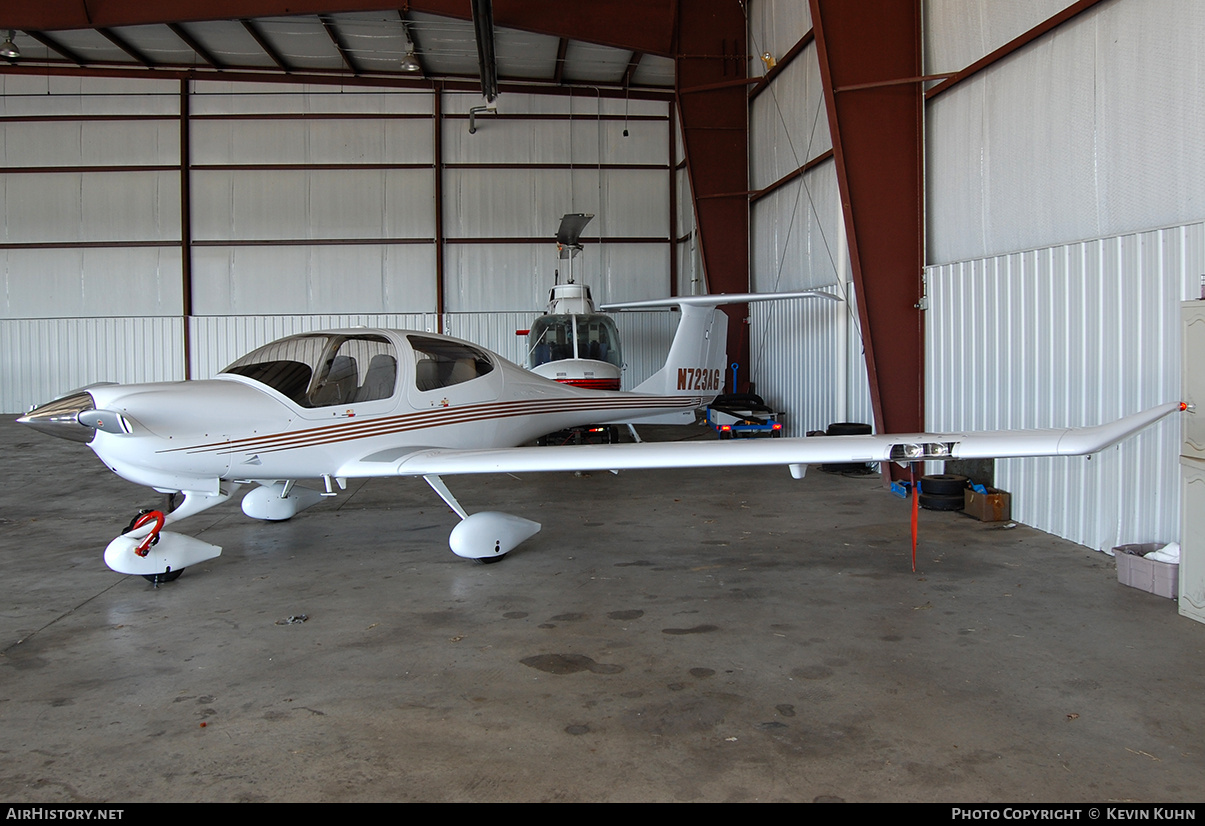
(486, 536)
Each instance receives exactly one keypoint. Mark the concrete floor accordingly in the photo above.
(705, 636)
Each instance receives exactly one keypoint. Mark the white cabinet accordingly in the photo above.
(1192, 538)
(1192, 462)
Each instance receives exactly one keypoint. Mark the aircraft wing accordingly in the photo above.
(1072, 441)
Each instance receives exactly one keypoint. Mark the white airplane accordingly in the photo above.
(360, 403)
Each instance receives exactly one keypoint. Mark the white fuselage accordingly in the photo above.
(193, 435)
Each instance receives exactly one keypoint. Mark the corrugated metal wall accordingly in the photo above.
(309, 207)
(1076, 334)
(41, 358)
(1089, 132)
(808, 361)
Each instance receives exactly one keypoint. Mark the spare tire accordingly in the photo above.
(848, 429)
(944, 484)
(941, 502)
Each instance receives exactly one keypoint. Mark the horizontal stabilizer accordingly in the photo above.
(715, 300)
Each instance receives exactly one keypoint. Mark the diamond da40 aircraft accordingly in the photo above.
(360, 402)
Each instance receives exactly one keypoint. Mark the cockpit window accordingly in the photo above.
(558, 337)
(441, 363)
(324, 370)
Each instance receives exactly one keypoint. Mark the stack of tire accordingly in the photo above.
(943, 491)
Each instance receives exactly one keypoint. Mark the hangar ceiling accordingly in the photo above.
(615, 44)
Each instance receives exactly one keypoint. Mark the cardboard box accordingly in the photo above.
(1152, 576)
(993, 506)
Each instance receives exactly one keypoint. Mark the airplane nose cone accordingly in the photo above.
(61, 417)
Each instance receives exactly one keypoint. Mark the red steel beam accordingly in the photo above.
(877, 132)
(715, 126)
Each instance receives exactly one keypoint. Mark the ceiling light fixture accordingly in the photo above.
(410, 64)
(8, 49)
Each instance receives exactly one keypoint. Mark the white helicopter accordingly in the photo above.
(572, 342)
(360, 402)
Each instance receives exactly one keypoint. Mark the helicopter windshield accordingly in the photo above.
(552, 338)
(324, 370)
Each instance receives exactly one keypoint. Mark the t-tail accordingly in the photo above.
(698, 354)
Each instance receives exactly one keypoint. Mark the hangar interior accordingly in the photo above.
(1011, 212)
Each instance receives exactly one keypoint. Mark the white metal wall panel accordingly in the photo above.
(1070, 335)
(807, 361)
(490, 203)
(29, 95)
(219, 340)
(497, 277)
(502, 140)
(90, 281)
(41, 359)
(90, 143)
(512, 277)
(959, 32)
(628, 272)
(494, 331)
(260, 204)
(316, 141)
(499, 140)
(634, 203)
(224, 98)
(339, 278)
(788, 122)
(91, 206)
(1089, 132)
(798, 241)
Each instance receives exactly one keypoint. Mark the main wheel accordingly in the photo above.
(166, 576)
(490, 560)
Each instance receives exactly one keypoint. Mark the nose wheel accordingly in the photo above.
(166, 576)
(144, 517)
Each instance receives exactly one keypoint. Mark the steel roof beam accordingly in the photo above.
(117, 41)
(192, 43)
(268, 48)
(633, 63)
(54, 46)
(562, 48)
(332, 31)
